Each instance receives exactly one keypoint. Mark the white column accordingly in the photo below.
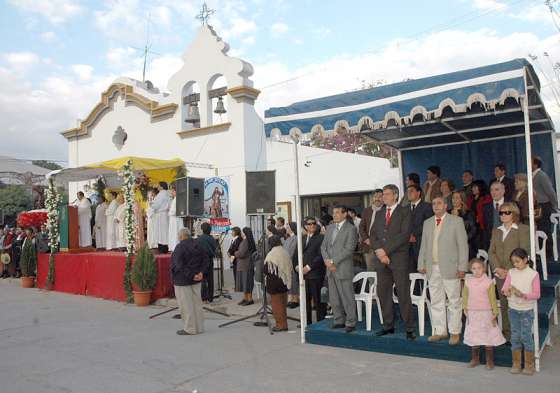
(302, 297)
(529, 167)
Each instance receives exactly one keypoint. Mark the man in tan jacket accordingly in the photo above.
(444, 257)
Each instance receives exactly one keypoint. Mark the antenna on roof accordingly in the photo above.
(146, 49)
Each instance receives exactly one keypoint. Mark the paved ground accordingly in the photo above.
(53, 342)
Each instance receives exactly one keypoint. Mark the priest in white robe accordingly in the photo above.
(84, 219)
(161, 217)
(175, 223)
(100, 224)
(110, 231)
(119, 223)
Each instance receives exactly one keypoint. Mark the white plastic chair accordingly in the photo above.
(419, 300)
(555, 219)
(541, 252)
(367, 295)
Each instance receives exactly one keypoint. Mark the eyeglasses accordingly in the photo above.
(505, 213)
(310, 223)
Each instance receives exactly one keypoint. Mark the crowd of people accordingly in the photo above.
(436, 229)
(12, 240)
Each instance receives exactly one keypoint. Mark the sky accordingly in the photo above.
(57, 56)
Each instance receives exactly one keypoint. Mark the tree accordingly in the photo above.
(348, 142)
(47, 164)
(13, 200)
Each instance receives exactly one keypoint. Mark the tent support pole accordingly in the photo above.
(401, 171)
(529, 167)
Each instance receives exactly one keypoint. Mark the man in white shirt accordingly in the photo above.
(100, 224)
(84, 219)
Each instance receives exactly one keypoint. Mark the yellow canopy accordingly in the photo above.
(156, 170)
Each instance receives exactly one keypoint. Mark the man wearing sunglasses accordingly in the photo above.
(313, 269)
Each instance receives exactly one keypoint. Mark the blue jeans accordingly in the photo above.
(521, 323)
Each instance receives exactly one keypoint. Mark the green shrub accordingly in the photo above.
(144, 270)
(28, 261)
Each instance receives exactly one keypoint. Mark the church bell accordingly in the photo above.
(194, 114)
(220, 109)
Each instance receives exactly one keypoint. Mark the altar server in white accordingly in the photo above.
(161, 217)
(84, 219)
(175, 223)
(100, 223)
(151, 235)
(119, 222)
(110, 230)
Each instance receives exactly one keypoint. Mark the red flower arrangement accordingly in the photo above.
(32, 218)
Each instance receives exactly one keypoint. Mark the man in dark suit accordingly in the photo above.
(390, 241)
(368, 217)
(411, 178)
(508, 182)
(337, 250)
(313, 269)
(210, 246)
(490, 212)
(188, 264)
(420, 211)
(468, 178)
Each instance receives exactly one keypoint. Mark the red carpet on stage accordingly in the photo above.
(98, 274)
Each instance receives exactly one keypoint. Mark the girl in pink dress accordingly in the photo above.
(481, 309)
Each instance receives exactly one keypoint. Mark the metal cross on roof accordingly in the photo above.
(205, 14)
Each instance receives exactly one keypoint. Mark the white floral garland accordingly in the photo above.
(128, 188)
(52, 201)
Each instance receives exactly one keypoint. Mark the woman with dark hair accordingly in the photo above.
(245, 267)
(476, 204)
(233, 247)
(290, 245)
(447, 187)
(459, 208)
(278, 272)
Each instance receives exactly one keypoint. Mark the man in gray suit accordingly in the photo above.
(444, 256)
(338, 249)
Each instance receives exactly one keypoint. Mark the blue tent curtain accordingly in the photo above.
(480, 157)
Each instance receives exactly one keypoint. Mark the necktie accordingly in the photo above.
(438, 221)
(497, 206)
(336, 229)
(413, 207)
(388, 217)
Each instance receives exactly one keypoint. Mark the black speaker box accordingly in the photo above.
(190, 197)
(261, 192)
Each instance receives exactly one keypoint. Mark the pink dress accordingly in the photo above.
(479, 330)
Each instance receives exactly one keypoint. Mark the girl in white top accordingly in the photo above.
(523, 288)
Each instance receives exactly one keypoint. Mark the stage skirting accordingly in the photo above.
(98, 274)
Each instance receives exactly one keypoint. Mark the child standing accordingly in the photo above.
(481, 309)
(523, 289)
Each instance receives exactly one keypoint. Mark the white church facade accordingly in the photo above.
(136, 119)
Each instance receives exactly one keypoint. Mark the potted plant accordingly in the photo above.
(28, 262)
(144, 275)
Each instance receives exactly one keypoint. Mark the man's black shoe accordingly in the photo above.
(183, 333)
(176, 316)
(337, 326)
(410, 336)
(293, 305)
(384, 332)
(349, 329)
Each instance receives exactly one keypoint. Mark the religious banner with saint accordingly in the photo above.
(216, 203)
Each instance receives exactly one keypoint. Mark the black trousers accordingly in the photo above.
(313, 291)
(208, 284)
(386, 277)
